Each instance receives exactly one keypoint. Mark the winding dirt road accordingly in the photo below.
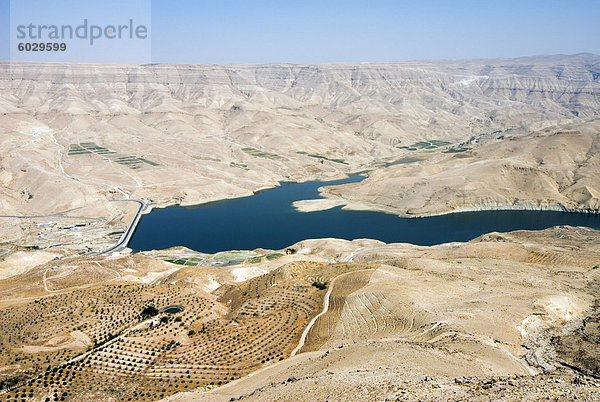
(325, 309)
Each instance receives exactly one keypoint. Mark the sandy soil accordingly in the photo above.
(552, 169)
(317, 204)
(450, 321)
(468, 320)
(509, 313)
(19, 262)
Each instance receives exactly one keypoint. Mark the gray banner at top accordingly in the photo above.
(90, 31)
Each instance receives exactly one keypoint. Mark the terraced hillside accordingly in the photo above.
(506, 315)
(121, 340)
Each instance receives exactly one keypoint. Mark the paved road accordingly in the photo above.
(129, 232)
(117, 247)
(45, 216)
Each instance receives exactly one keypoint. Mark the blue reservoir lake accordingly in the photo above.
(268, 220)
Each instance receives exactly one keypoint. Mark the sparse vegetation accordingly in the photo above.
(184, 261)
(103, 314)
(322, 157)
(429, 144)
(149, 311)
(266, 316)
(456, 150)
(228, 256)
(242, 166)
(91, 148)
(261, 154)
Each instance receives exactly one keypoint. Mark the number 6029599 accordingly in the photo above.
(42, 47)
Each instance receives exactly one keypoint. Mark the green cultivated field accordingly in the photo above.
(91, 148)
(190, 262)
(261, 154)
(429, 144)
(322, 157)
(258, 259)
(456, 150)
(227, 256)
(239, 165)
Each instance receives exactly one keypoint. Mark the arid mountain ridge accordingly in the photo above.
(205, 133)
(371, 100)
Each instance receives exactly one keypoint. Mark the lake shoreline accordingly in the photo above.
(271, 220)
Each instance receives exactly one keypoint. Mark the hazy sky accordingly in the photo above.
(237, 31)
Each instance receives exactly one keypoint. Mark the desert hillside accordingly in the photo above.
(218, 131)
(552, 169)
(86, 149)
(506, 315)
(77, 136)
